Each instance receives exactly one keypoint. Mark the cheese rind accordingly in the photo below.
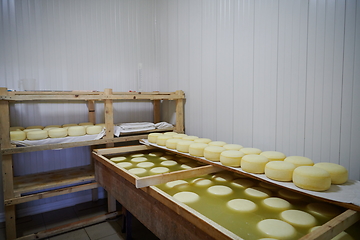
(37, 135)
(57, 132)
(231, 158)
(253, 163)
(139, 159)
(279, 170)
(17, 135)
(338, 173)
(311, 178)
(174, 183)
(92, 130)
(76, 131)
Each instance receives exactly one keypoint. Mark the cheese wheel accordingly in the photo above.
(53, 126)
(271, 227)
(152, 137)
(37, 135)
(190, 138)
(137, 155)
(217, 143)
(232, 147)
(258, 192)
(231, 158)
(338, 173)
(86, 124)
(299, 161)
(197, 149)
(273, 155)
(179, 136)
(202, 182)
(202, 140)
(170, 134)
(253, 163)
(172, 143)
(69, 125)
(138, 171)
(279, 170)
(156, 154)
(76, 131)
(311, 178)
(117, 159)
(166, 157)
(57, 132)
(16, 128)
(92, 130)
(220, 190)
(145, 164)
(124, 164)
(31, 129)
(139, 159)
(243, 183)
(186, 197)
(168, 163)
(183, 146)
(35, 127)
(322, 209)
(248, 151)
(242, 205)
(298, 218)
(17, 135)
(174, 183)
(48, 128)
(277, 204)
(161, 140)
(212, 153)
(159, 170)
(223, 176)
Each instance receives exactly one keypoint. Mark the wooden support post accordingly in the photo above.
(157, 115)
(92, 118)
(179, 127)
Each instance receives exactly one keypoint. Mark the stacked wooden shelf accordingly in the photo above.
(31, 187)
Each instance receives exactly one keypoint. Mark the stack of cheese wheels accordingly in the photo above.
(248, 151)
(57, 132)
(179, 136)
(190, 138)
(232, 147)
(37, 135)
(17, 135)
(202, 140)
(231, 158)
(254, 163)
(172, 143)
(212, 153)
(152, 137)
(273, 155)
(16, 128)
(183, 145)
(217, 143)
(161, 140)
(338, 173)
(76, 131)
(197, 149)
(299, 161)
(311, 178)
(92, 130)
(279, 170)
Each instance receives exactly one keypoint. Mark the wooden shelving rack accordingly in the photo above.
(74, 179)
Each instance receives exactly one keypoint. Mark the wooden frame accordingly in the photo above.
(12, 196)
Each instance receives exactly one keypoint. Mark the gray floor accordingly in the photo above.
(108, 230)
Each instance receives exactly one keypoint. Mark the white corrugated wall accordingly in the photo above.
(274, 74)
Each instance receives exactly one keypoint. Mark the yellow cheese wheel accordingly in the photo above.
(338, 173)
(174, 183)
(16, 128)
(35, 127)
(69, 125)
(217, 143)
(274, 155)
(172, 143)
(159, 170)
(311, 178)
(271, 228)
(37, 135)
(231, 158)
(183, 146)
(253, 163)
(298, 218)
(161, 140)
(118, 159)
(279, 170)
(242, 205)
(86, 124)
(212, 153)
(170, 134)
(138, 171)
(57, 132)
(223, 176)
(187, 197)
(17, 135)
(220, 190)
(258, 192)
(139, 159)
(156, 154)
(202, 182)
(243, 183)
(92, 130)
(299, 161)
(197, 149)
(275, 203)
(190, 138)
(179, 136)
(145, 164)
(152, 137)
(248, 151)
(232, 147)
(76, 131)
(169, 163)
(124, 164)
(202, 140)
(137, 155)
(31, 129)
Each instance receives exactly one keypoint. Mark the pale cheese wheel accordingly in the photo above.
(187, 197)
(212, 153)
(253, 163)
(271, 227)
(137, 155)
(159, 170)
(152, 137)
(118, 159)
(156, 154)
(124, 164)
(217, 143)
(57, 132)
(179, 136)
(175, 183)
(31, 129)
(338, 173)
(138, 171)
(197, 149)
(299, 161)
(223, 176)
(183, 146)
(17, 135)
(273, 155)
(86, 124)
(323, 209)
(35, 127)
(220, 190)
(92, 130)
(258, 192)
(76, 131)
(231, 158)
(298, 218)
(170, 134)
(202, 140)
(311, 178)
(139, 159)
(161, 140)
(16, 128)
(37, 135)
(48, 128)
(248, 151)
(145, 164)
(169, 163)
(279, 170)
(202, 182)
(190, 138)
(69, 125)
(242, 205)
(275, 203)
(232, 147)
(243, 183)
(53, 126)
(172, 143)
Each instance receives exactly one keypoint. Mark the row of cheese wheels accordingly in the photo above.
(54, 131)
(275, 165)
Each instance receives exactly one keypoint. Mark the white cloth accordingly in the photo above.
(163, 125)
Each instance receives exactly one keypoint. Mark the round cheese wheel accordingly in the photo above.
(17, 135)
(325, 210)
(253, 163)
(338, 173)
(217, 143)
(76, 131)
(35, 127)
(190, 138)
(156, 154)
(299, 161)
(170, 133)
(279, 170)
(298, 218)
(242, 205)
(202, 182)
(31, 129)
(223, 176)
(232, 147)
(243, 183)
(69, 125)
(273, 155)
(275, 203)
(186, 197)
(124, 164)
(258, 192)
(117, 159)
(183, 146)
(137, 155)
(161, 140)
(311, 178)
(271, 227)
(185, 166)
(220, 190)
(48, 128)
(179, 136)
(202, 140)
(231, 158)
(159, 170)
(152, 137)
(57, 132)
(53, 126)
(166, 157)
(248, 151)
(86, 124)
(16, 128)
(175, 183)
(139, 159)
(168, 163)
(212, 153)
(37, 135)
(197, 149)
(138, 171)
(145, 164)
(172, 143)
(92, 130)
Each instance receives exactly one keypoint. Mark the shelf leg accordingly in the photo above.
(10, 223)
